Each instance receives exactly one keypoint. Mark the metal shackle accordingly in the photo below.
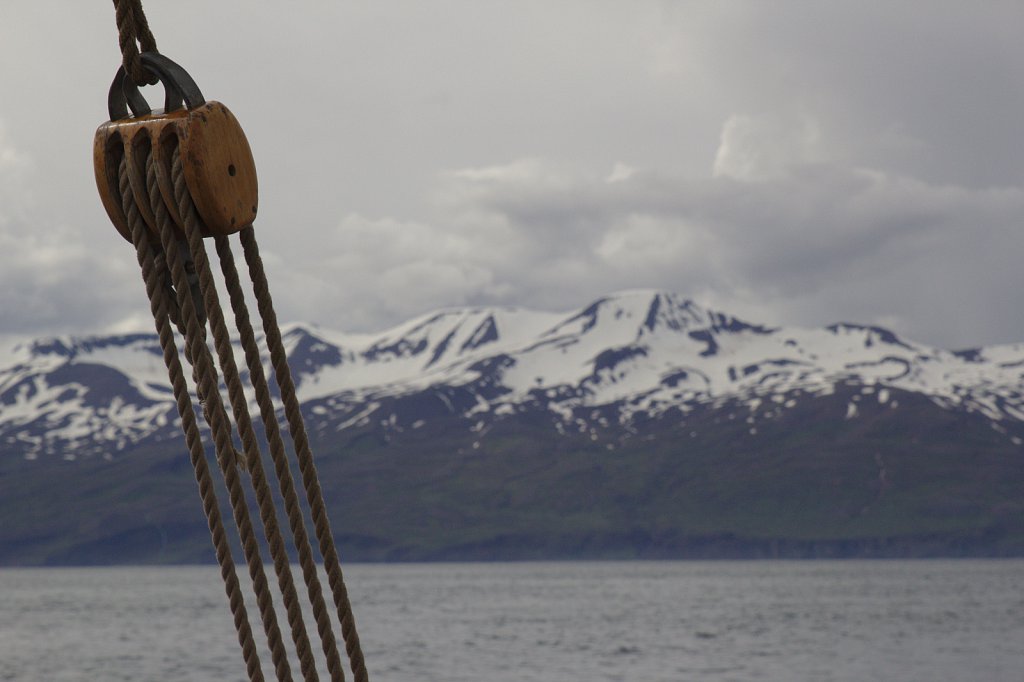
(216, 161)
(179, 87)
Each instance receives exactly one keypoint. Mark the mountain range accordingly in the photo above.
(640, 425)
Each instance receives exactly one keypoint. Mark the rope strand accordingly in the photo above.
(310, 479)
(240, 408)
(185, 297)
(219, 423)
(158, 300)
(133, 33)
(277, 451)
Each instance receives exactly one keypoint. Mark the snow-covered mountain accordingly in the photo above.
(623, 360)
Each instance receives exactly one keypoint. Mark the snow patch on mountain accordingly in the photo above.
(629, 355)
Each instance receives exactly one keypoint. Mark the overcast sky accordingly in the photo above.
(789, 162)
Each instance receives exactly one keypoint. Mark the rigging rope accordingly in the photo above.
(132, 33)
(158, 298)
(158, 211)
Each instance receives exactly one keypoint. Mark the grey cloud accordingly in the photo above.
(924, 91)
(938, 260)
(52, 280)
(799, 162)
(53, 283)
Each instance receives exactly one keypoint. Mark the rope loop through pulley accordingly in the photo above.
(168, 179)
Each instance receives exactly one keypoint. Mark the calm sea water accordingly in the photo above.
(932, 621)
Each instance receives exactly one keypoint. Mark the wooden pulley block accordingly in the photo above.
(217, 163)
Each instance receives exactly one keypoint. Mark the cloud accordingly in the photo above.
(928, 95)
(51, 276)
(52, 281)
(368, 273)
(11, 158)
(15, 164)
(753, 148)
(620, 172)
(794, 162)
(798, 244)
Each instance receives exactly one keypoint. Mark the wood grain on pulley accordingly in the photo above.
(217, 164)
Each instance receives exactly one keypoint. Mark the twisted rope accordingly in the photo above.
(195, 340)
(153, 276)
(240, 409)
(182, 297)
(279, 456)
(132, 33)
(310, 479)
